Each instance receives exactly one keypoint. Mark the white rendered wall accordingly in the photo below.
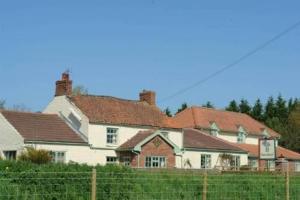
(10, 139)
(62, 106)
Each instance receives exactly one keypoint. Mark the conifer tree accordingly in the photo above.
(233, 106)
(244, 107)
(257, 110)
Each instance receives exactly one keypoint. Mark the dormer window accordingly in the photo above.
(214, 130)
(265, 133)
(241, 138)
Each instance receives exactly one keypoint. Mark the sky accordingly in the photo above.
(118, 48)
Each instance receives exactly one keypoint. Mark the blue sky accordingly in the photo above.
(120, 47)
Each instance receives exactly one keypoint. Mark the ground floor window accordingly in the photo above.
(270, 165)
(58, 156)
(155, 162)
(205, 161)
(110, 160)
(253, 163)
(10, 155)
(235, 162)
(126, 160)
(297, 166)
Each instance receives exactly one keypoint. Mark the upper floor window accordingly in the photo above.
(10, 155)
(214, 130)
(112, 136)
(241, 138)
(58, 156)
(205, 161)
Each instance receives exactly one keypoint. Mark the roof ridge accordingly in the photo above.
(220, 110)
(27, 112)
(104, 96)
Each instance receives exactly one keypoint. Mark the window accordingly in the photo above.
(112, 135)
(10, 155)
(241, 137)
(58, 157)
(205, 161)
(214, 130)
(155, 162)
(253, 163)
(235, 162)
(297, 166)
(126, 161)
(111, 160)
(270, 165)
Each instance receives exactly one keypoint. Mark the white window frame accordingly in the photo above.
(206, 158)
(241, 138)
(297, 166)
(111, 160)
(10, 155)
(58, 156)
(126, 160)
(113, 133)
(156, 162)
(235, 162)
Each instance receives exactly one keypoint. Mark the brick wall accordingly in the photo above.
(155, 147)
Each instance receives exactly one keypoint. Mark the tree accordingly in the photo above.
(244, 107)
(281, 109)
(2, 104)
(257, 111)
(79, 90)
(233, 106)
(208, 105)
(20, 108)
(183, 107)
(168, 112)
(270, 109)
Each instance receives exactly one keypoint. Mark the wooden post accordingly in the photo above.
(94, 184)
(287, 182)
(204, 193)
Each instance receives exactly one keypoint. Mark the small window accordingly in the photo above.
(205, 161)
(235, 162)
(126, 160)
(241, 137)
(111, 160)
(271, 165)
(58, 156)
(253, 163)
(10, 155)
(155, 162)
(297, 166)
(112, 136)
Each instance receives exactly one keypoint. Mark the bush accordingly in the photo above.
(37, 156)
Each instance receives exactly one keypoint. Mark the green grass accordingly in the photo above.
(22, 181)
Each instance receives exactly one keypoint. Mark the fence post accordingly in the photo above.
(94, 184)
(287, 182)
(204, 193)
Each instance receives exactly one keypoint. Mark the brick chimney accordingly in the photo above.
(64, 86)
(149, 97)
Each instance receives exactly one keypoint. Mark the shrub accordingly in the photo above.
(37, 156)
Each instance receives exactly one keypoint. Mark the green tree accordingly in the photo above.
(208, 105)
(257, 111)
(281, 109)
(168, 112)
(233, 106)
(2, 104)
(244, 107)
(270, 109)
(182, 108)
(80, 90)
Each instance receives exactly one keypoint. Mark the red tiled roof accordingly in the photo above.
(41, 127)
(132, 142)
(111, 110)
(198, 117)
(199, 140)
(252, 149)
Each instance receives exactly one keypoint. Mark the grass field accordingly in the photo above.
(28, 181)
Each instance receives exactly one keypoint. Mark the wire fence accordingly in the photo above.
(149, 185)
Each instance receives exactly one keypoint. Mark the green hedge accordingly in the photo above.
(22, 181)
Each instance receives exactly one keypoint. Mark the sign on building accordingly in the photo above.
(267, 149)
